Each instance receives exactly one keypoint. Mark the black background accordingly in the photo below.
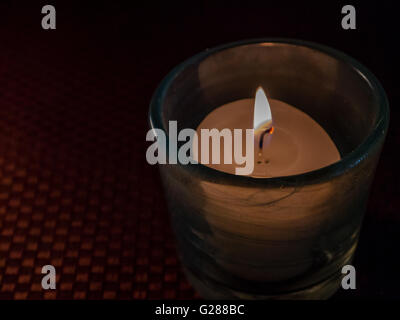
(106, 58)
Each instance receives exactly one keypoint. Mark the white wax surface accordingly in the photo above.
(298, 144)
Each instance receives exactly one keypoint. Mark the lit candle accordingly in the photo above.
(292, 143)
(287, 140)
(279, 238)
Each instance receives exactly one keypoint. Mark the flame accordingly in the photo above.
(262, 114)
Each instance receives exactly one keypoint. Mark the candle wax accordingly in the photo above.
(298, 143)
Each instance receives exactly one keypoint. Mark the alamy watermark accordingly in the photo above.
(188, 152)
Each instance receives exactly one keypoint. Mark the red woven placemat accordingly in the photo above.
(75, 189)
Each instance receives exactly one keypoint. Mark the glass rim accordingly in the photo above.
(337, 168)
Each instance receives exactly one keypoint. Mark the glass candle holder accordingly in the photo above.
(282, 237)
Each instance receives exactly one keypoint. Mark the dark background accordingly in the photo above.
(75, 188)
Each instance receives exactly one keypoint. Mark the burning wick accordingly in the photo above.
(261, 141)
(262, 119)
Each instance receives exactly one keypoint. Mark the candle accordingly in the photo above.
(287, 141)
(245, 237)
(292, 142)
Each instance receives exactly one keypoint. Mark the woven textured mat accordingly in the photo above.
(75, 189)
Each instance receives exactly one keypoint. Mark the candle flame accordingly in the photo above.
(262, 113)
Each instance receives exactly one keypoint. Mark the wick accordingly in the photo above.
(261, 141)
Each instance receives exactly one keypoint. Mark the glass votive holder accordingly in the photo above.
(282, 237)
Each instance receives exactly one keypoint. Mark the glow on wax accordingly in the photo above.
(294, 142)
